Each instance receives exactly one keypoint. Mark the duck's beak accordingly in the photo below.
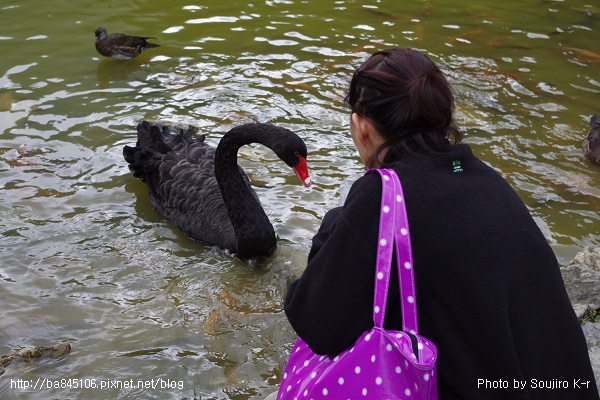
(301, 171)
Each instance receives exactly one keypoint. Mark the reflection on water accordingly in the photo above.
(87, 260)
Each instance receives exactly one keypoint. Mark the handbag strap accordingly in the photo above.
(393, 230)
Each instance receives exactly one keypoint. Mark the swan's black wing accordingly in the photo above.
(179, 172)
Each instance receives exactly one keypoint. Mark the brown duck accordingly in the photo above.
(591, 144)
(120, 46)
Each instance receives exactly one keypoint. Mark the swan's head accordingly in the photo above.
(291, 149)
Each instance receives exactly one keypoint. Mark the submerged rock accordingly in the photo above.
(56, 351)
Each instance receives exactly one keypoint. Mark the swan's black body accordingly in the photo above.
(203, 191)
(591, 144)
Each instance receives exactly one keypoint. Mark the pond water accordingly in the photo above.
(85, 259)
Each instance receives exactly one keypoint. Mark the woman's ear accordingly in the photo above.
(365, 132)
(362, 128)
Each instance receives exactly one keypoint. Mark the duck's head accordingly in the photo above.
(100, 34)
(595, 124)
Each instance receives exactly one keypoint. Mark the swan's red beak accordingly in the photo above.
(302, 171)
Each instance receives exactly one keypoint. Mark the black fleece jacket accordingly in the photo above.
(489, 290)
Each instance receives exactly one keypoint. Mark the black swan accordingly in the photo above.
(203, 191)
(120, 46)
(591, 144)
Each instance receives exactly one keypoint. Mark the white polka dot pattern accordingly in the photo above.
(381, 364)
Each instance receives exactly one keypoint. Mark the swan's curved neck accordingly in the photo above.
(253, 230)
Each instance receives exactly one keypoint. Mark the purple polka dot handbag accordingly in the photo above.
(382, 364)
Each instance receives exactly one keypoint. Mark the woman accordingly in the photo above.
(489, 290)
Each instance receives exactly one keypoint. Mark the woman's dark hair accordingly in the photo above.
(407, 99)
